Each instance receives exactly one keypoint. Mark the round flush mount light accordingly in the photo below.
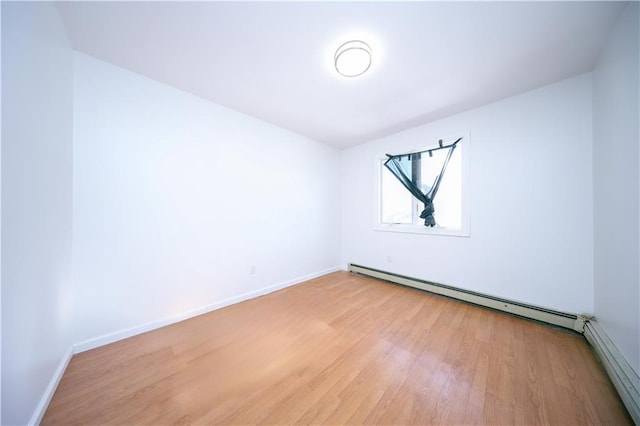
(352, 58)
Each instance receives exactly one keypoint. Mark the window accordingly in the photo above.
(399, 210)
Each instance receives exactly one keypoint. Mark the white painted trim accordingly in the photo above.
(417, 227)
(115, 336)
(43, 404)
(421, 229)
(624, 378)
(562, 319)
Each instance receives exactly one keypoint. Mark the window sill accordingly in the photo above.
(420, 229)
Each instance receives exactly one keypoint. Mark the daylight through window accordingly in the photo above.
(421, 170)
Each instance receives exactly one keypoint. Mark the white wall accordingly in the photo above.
(530, 203)
(37, 73)
(616, 187)
(0, 218)
(176, 198)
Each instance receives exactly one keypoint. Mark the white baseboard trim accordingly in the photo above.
(624, 378)
(105, 339)
(41, 408)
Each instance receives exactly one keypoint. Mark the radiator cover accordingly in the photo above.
(561, 319)
(624, 378)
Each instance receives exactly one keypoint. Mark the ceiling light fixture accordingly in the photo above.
(352, 58)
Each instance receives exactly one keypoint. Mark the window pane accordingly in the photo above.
(396, 200)
(448, 200)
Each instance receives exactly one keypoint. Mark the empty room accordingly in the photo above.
(320, 213)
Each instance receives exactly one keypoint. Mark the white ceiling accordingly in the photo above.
(274, 61)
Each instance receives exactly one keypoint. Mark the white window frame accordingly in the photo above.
(417, 227)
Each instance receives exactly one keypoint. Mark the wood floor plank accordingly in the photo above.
(341, 349)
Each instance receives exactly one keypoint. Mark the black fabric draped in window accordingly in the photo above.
(408, 169)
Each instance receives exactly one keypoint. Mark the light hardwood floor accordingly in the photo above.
(342, 349)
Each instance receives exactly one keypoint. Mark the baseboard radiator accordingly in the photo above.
(562, 319)
(624, 378)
